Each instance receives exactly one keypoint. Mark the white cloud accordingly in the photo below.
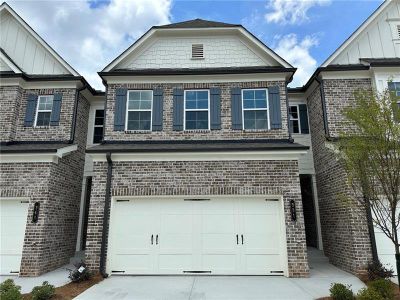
(89, 38)
(291, 11)
(297, 53)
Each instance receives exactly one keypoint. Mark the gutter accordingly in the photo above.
(107, 201)
(291, 140)
(73, 124)
(324, 114)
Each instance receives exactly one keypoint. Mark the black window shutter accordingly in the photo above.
(274, 103)
(56, 110)
(215, 108)
(157, 122)
(30, 110)
(120, 109)
(303, 119)
(236, 108)
(178, 109)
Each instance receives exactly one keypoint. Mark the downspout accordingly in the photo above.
(106, 217)
(291, 140)
(73, 124)
(371, 231)
(323, 103)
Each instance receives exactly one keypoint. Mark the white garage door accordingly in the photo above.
(197, 235)
(13, 214)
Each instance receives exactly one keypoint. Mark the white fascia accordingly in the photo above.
(202, 156)
(37, 157)
(73, 84)
(10, 64)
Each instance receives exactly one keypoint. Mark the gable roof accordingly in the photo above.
(356, 33)
(197, 24)
(57, 57)
(9, 62)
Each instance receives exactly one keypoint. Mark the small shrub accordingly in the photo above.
(341, 292)
(43, 292)
(369, 294)
(10, 291)
(376, 270)
(383, 287)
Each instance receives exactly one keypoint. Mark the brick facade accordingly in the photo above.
(51, 241)
(343, 224)
(167, 133)
(201, 178)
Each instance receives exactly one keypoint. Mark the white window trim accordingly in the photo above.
(197, 109)
(298, 117)
(252, 109)
(128, 110)
(96, 126)
(43, 110)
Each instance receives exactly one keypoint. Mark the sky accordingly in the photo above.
(90, 34)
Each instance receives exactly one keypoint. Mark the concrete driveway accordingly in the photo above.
(322, 274)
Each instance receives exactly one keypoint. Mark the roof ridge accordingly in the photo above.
(197, 23)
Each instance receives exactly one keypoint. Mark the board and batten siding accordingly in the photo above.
(380, 39)
(176, 52)
(25, 50)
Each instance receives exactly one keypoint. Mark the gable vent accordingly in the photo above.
(398, 31)
(197, 51)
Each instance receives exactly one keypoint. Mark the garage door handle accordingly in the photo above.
(237, 239)
(152, 239)
(157, 239)
(242, 238)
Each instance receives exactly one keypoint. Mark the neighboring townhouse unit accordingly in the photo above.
(368, 59)
(44, 111)
(197, 172)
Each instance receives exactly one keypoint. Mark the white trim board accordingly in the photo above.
(202, 156)
(37, 157)
(10, 64)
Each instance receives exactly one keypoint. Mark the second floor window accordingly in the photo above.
(43, 111)
(294, 119)
(139, 110)
(98, 126)
(255, 109)
(197, 113)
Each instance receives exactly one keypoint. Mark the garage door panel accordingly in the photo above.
(133, 263)
(220, 263)
(13, 216)
(219, 223)
(260, 264)
(175, 263)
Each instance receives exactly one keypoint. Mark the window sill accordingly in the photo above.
(257, 130)
(137, 131)
(38, 127)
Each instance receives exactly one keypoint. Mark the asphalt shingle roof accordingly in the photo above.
(197, 23)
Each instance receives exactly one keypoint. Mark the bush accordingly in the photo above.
(341, 292)
(10, 291)
(369, 294)
(376, 270)
(43, 292)
(383, 287)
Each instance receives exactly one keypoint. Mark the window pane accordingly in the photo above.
(294, 126)
(248, 103)
(256, 119)
(45, 103)
(43, 119)
(196, 100)
(191, 104)
(145, 104)
(134, 95)
(145, 95)
(97, 135)
(261, 103)
(99, 117)
(248, 94)
(139, 120)
(202, 104)
(293, 112)
(190, 95)
(202, 95)
(196, 120)
(260, 95)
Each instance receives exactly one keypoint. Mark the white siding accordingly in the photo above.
(25, 50)
(175, 52)
(306, 161)
(4, 66)
(378, 40)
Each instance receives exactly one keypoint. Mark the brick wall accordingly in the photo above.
(10, 101)
(51, 241)
(343, 225)
(225, 133)
(339, 94)
(201, 178)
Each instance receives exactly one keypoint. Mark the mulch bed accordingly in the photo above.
(72, 289)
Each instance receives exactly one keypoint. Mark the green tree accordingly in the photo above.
(369, 149)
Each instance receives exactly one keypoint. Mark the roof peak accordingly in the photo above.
(197, 23)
